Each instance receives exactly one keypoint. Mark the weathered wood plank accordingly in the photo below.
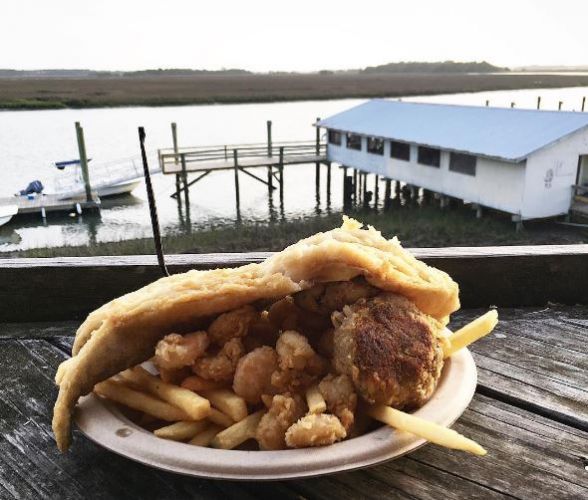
(69, 288)
(537, 359)
(38, 329)
(529, 456)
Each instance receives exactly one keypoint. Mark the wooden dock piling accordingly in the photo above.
(281, 170)
(583, 102)
(237, 194)
(376, 191)
(559, 105)
(539, 102)
(387, 194)
(185, 182)
(174, 129)
(328, 183)
(84, 160)
(317, 165)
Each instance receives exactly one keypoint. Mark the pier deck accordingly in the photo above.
(50, 203)
(215, 158)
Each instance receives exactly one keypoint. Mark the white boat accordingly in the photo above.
(123, 187)
(107, 179)
(6, 213)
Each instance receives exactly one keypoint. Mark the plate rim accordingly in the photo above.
(100, 420)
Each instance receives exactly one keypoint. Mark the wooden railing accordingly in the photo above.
(202, 154)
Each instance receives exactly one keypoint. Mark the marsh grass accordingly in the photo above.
(423, 227)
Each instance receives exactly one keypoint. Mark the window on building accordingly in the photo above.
(354, 141)
(400, 150)
(335, 137)
(462, 163)
(429, 156)
(375, 146)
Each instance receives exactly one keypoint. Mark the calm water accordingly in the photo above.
(30, 141)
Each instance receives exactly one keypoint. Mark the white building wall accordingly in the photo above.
(551, 173)
(497, 184)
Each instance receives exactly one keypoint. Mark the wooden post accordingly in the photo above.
(487, 103)
(387, 194)
(355, 186)
(83, 160)
(174, 129)
(281, 170)
(317, 166)
(237, 195)
(269, 138)
(512, 104)
(364, 189)
(270, 179)
(539, 102)
(376, 192)
(328, 183)
(583, 102)
(185, 182)
(559, 105)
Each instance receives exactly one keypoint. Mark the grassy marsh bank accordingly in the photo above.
(165, 90)
(423, 227)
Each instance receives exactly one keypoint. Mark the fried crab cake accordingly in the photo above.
(391, 350)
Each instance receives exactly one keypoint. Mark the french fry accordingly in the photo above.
(314, 399)
(430, 431)
(238, 433)
(471, 332)
(197, 384)
(228, 402)
(205, 437)
(193, 405)
(119, 393)
(219, 418)
(181, 431)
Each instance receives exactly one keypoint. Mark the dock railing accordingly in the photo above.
(169, 159)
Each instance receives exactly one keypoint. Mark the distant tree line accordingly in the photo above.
(435, 67)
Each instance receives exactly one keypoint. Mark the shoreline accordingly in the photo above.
(415, 226)
(86, 93)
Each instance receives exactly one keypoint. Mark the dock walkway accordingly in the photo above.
(45, 203)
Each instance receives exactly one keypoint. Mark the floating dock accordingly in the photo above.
(45, 203)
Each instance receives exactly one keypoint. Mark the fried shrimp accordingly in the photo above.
(221, 366)
(283, 412)
(253, 375)
(391, 350)
(294, 351)
(232, 324)
(340, 397)
(176, 351)
(315, 430)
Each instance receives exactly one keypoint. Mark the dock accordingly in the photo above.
(242, 158)
(45, 203)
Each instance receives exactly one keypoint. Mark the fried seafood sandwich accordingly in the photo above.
(285, 352)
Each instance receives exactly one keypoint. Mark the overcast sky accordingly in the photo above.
(302, 35)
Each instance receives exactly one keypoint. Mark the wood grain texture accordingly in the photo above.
(531, 455)
(536, 359)
(528, 454)
(69, 288)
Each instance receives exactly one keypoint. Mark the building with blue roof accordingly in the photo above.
(523, 162)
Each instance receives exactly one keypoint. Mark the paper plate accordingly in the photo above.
(104, 424)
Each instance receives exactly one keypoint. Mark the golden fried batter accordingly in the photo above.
(176, 351)
(340, 397)
(232, 324)
(253, 375)
(325, 298)
(390, 349)
(283, 412)
(315, 430)
(220, 367)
